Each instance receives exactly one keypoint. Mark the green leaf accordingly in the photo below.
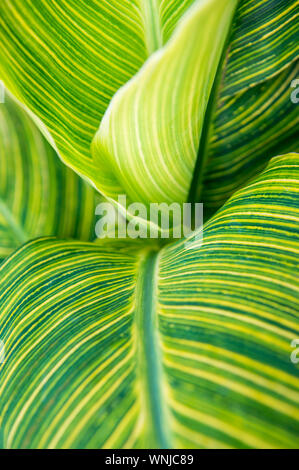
(147, 142)
(38, 195)
(264, 42)
(250, 115)
(247, 130)
(65, 60)
(115, 345)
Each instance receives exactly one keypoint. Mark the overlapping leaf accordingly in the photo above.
(65, 60)
(253, 97)
(248, 128)
(114, 345)
(147, 142)
(264, 41)
(38, 195)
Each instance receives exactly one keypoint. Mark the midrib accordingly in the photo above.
(18, 231)
(155, 422)
(152, 25)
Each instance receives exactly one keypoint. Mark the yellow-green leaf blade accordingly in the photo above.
(228, 313)
(64, 60)
(39, 196)
(147, 142)
(223, 315)
(248, 128)
(264, 42)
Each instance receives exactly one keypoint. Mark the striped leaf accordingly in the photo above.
(120, 345)
(155, 120)
(65, 60)
(248, 128)
(264, 41)
(250, 116)
(38, 195)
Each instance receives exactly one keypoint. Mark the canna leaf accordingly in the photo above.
(38, 195)
(264, 42)
(252, 96)
(65, 60)
(118, 345)
(147, 142)
(247, 129)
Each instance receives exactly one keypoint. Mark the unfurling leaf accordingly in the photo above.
(65, 60)
(147, 143)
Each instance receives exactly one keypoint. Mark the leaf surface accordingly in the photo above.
(118, 345)
(147, 142)
(248, 128)
(264, 42)
(65, 60)
(39, 196)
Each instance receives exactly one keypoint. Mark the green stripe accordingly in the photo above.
(16, 229)
(152, 24)
(156, 423)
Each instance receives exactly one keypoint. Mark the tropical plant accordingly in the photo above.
(138, 343)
